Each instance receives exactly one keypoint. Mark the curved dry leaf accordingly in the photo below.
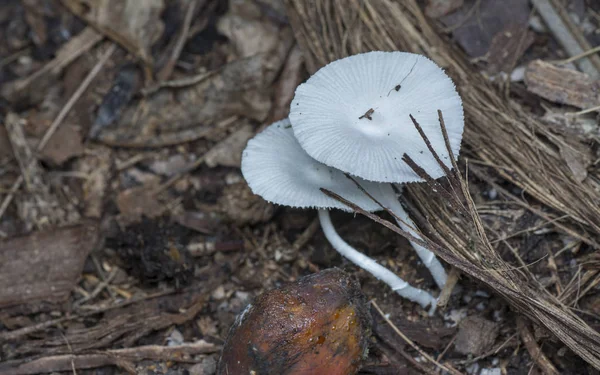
(134, 24)
(172, 116)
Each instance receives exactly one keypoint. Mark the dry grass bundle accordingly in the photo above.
(498, 132)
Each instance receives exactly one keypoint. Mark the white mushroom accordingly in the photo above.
(353, 115)
(279, 170)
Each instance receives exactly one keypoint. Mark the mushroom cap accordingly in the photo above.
(326, 110)
(280, 171)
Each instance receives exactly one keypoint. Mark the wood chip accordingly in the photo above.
(561, 85)
(44, 266)
(67, 362)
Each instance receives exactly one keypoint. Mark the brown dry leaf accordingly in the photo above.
(139, 201)
(33, 88)
(228, 152)
(44, 266)
(507, 47)
(477, 22)
(248, 29)
(476, 335)
(188, 109)
(173, 116)
(577, 160)
(40, 206)
(291, 76)
(134, 24)
(243, 207)
(64, 144)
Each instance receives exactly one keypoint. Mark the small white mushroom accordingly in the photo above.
(280, 171)
(354, 115)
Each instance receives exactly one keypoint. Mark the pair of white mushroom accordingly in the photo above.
(353, 117)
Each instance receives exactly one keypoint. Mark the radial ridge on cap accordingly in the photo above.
(383, 88)
(280, 171)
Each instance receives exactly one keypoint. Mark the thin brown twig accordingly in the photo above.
(58, 120)
(533, 348)
(167, 70)
(76, 95)
(411, 343)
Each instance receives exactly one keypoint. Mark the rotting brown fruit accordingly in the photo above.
(318, 325)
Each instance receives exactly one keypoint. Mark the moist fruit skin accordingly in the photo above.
(319, 324)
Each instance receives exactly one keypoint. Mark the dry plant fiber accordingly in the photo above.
(498, 132)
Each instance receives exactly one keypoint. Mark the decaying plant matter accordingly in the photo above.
(474, 255)
(518, 147)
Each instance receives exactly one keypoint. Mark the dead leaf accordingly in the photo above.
(139, 201)
(97, 166)
(476, 335)
(243, 207)
(578, 161)
(248, 30)
(579, 127)
(34, 87)
(65, 143)
(134, 24)
(173, 116)
(507, 47)
(44, 266)
(477, 22)
(228, 152)
(40, 206)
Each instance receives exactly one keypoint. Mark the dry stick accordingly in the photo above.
(364, 191)
(538, 212)
(581, 55)
(306, 235)
(167, 70)
(76, 95)
(381, 221)
(429, 146)
(453, 277)
(61, 116)
(563, 34)
(63, 362)
(534, 350)
(411, 343)
(17, 333)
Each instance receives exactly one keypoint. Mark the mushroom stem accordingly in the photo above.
(396, 283)
(427, 257)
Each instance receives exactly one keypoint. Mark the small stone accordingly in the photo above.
(218, 293)
(208, 366)
(476, 335)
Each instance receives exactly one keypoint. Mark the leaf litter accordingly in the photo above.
(146, 152)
